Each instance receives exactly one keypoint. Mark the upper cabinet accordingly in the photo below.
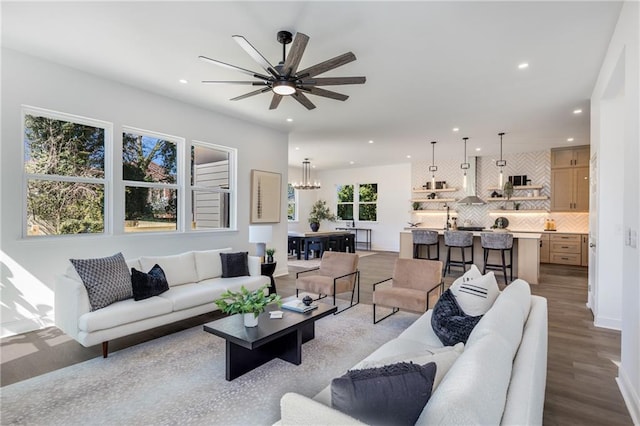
(570, 157)
(570, 179)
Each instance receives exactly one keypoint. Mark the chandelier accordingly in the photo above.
(306, 177)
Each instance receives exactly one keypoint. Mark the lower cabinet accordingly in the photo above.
(565, 249)
(544, 248)
(585, 250)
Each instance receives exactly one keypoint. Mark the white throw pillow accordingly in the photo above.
(443, 357)
(208, 263)
(179, 268)
(476, 296)
(471, 274)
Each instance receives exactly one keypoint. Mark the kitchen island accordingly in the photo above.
(526, 252)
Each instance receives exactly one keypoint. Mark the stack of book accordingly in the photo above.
(298, 306)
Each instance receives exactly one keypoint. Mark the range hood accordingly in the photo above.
(472, 198)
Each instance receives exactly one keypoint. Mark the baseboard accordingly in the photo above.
(629, 395)
(25, 325)
(611, 323)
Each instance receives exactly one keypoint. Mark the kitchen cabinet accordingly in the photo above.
(544, 248)
(578, 156)
(565, 249)
(570, 189)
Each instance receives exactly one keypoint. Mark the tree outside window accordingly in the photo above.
(365, 200)
(64, 165)
(345, 202)
(292, 204)
(368, 202)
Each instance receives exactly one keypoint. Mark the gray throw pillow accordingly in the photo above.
(449, 322)
(107, 279)
(393, 394)
(234, 264)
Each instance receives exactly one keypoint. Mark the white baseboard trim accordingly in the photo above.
(630, 395)
(611, 323)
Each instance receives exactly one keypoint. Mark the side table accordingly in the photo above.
(267, 269)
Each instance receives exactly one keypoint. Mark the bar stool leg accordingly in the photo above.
(464, 263)
(504, 267)
(486, 256)
(447, 264)
(511, 263)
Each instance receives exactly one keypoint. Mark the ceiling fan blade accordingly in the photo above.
(247, 95)
(275, 101)
(295, 54)
(233, 67)
(300, 97)
(248, 83)
(257, 56)
(333, 81)
(327, 65)
(325, 93)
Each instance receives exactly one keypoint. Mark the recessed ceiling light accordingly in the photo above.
(569, 139)
(577, 111)
(370, 141)
(455, 129)
(523, 65)
(478, 149)
(408, 156)
(289, 120)
(183, 81)
(313, 166)
(352, 162)
(297, 148)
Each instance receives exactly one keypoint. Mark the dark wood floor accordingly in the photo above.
(581, 387)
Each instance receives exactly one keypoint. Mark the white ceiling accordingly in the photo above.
(430, 66)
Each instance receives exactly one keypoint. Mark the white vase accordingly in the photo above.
(250, 320)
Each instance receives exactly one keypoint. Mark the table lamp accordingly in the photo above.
(260, 235)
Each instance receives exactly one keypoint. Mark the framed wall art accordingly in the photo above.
(265, 196)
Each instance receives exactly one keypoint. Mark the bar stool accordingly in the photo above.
(336, 243)
(502, 242)
(350, 243)
(462, 240)
(317, 244)
(423, 237)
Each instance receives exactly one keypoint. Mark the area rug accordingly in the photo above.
(179, 379)
(314, 263)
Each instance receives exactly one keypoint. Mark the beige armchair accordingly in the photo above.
(338, 273)
(411, 285)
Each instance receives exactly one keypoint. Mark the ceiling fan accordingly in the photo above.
(284, 79)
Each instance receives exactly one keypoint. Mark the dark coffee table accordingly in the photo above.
(250, 347)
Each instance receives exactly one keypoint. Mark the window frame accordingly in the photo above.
(106, 181)
(296, 203)
(342, 203)
(356, 201)
(179, 186)
(367, 202)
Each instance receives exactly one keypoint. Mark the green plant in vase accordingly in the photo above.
(319, 212)
(270, 252)
(249, 303)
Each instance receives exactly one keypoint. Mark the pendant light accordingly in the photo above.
(433, 168)
(501, 163)
(306, 177)
(465, 166)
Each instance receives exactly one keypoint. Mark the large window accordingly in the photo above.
(66, 174)
(150, 175)
(292, 203)
(362, 203)
(211, 186)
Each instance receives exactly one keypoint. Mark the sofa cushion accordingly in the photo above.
(179, 268)
(422, 331)
(251, 283)
(443, 358)
(393, 394)
(208, 263)
(449, 322)
(107, 279)
(234, 264)
(150, 284)
(123, 312)
(195, 294)
(475, 296)
(474, 390)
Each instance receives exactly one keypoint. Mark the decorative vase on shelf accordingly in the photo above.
(250, 320)
(314, 226)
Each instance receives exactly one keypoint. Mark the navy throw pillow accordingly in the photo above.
(449, 322)
(234, 264)
(150, 284)
(393, 394)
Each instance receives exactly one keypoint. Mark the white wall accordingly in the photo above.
(29, 266)
(617, 91)
(394, 183)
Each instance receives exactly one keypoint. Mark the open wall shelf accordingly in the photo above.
(435, 200)
(496, 200)
(429, 191)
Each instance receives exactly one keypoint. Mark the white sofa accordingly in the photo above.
(499, 378)
(194, 283)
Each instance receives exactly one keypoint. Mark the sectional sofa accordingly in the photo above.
(194, 280)
(498, 378)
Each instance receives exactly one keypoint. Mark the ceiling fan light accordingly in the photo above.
(284, 88)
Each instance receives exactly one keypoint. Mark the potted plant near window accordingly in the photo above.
(249, 303)
(320, 212)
